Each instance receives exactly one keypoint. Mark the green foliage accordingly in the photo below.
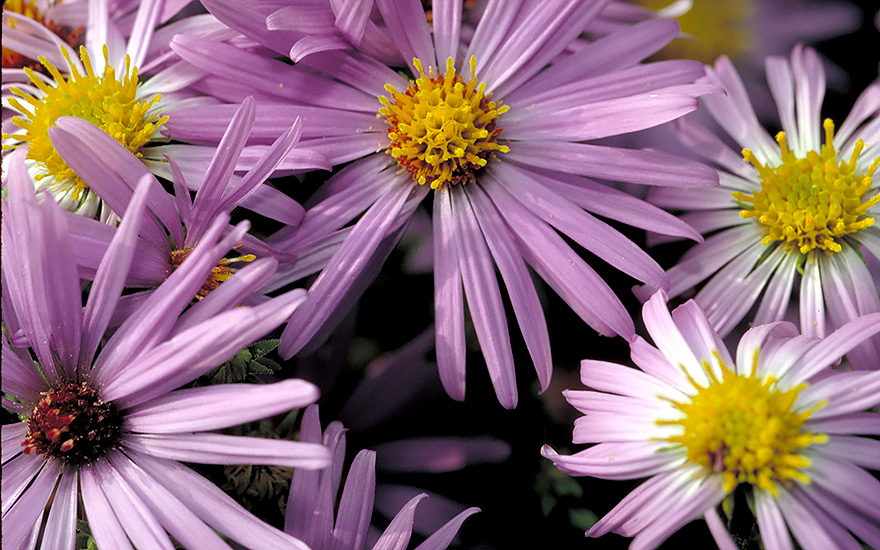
(246, 366)
(84, 540)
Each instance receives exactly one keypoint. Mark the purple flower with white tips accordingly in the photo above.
(106, 428)
(699, 422)
(310, 509)
(502, 147)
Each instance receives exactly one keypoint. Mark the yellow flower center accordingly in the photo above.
(747, 430)
(810, 202)
(106, 102)
(442, 129)
(712, 28)
(219, 274)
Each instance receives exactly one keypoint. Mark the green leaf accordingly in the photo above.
(261, 348)
(245, 366)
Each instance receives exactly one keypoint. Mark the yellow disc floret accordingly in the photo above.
(220, 273)
(812, 202)
(103, 100)
(442, 129)
(746, 429)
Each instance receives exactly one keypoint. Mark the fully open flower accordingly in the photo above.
(496, 133)
(105, 429)
(700, 422)
(799, 212)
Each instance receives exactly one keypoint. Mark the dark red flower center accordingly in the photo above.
(72, 423)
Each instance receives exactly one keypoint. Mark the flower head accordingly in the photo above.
(496, 132)
(699, 423)
(111, 104)
(105, 423)
(112, 172)
(108, 83)
(797, 212)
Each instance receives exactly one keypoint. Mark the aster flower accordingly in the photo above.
(699, 422)
(770, 234)
(112, 172)
(103, 83)
(511, 172)
(310, 515)
(105, 426)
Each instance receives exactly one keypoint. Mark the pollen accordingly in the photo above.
(221, 272)
(443, 130)
(746, 429)
(107, 102)
(814, 202)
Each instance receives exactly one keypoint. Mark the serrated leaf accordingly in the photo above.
(267, 363)
(261, 348)
(244, 366)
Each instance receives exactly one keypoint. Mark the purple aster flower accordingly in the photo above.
(112, 173)
(124, 79)
(310, 508)
(105, 424)
(699, 422)
(510, 175)
(769, 233)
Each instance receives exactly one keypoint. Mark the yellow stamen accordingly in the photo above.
(220, 273)
(812, 202)
(106, 102)
(442, 129)
(747, 430)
